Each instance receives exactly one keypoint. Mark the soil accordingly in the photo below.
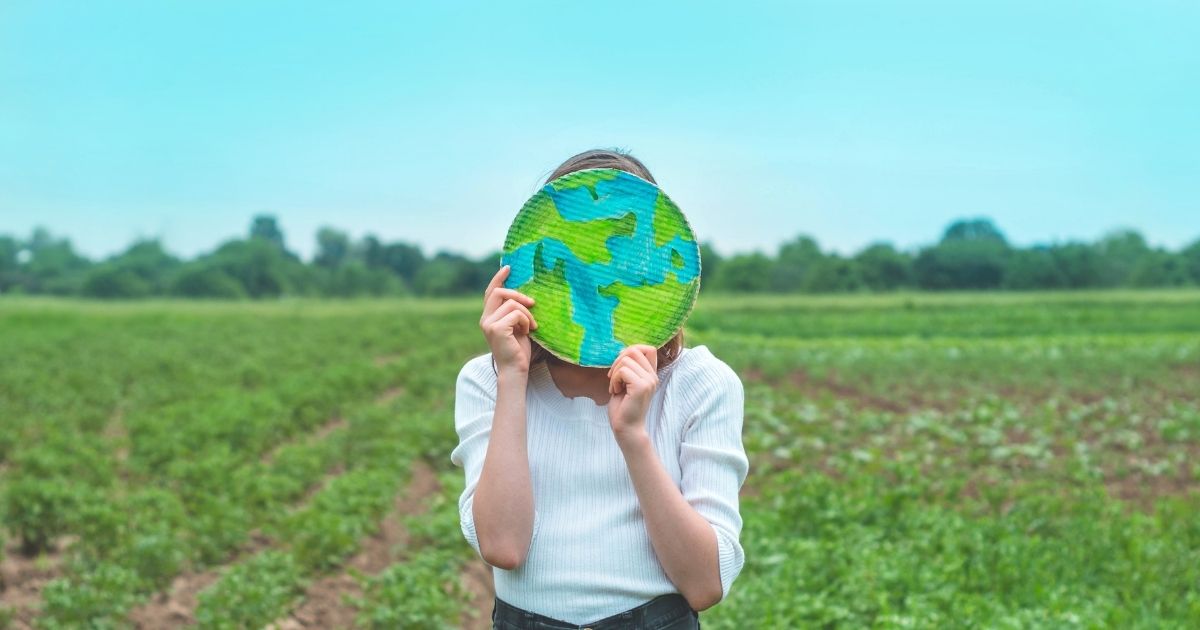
(325, 603)
(22, 579)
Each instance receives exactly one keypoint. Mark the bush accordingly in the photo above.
(251, 594)
(39, 510)
(423, 592)
(207, 282)
(97, 599)
(109, 282)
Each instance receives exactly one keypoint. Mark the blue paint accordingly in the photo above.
(635, 259)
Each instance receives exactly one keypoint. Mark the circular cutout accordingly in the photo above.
(610, 260)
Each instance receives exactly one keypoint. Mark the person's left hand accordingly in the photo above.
(632, 380)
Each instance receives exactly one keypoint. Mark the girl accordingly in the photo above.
(603, 498)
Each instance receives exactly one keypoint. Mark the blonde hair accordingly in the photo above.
(620, 160)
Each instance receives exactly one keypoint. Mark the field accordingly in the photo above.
(917, 461)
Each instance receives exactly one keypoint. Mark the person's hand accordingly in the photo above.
(632, 380)
(506, 323)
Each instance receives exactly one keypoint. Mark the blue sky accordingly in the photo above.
(850, 121)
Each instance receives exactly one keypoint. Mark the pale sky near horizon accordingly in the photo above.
(850, 121)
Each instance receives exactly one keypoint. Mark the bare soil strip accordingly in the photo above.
(320, 433)
(477, 579)
(325, 600)
(176, 606)
(387, 359)
(389, 395)
(22, 580)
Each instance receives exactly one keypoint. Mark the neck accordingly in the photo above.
(574, 380)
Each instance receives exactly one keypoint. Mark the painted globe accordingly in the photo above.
(610, 260)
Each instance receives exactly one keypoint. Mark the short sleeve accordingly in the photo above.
(474, 406)
(712, 459)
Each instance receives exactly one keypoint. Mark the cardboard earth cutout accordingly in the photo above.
(610, 260)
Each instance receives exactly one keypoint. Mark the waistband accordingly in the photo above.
(652, 614)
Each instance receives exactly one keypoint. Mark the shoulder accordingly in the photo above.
(477, 373)
(699, 372)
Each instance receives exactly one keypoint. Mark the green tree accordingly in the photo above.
(10, 264)
(481, 273)
(110, 281)
(1034, 268)
(796, 258)
(882, 268)
(1159, 268)
(333, 248)
(206, 280)
(265, 227)
(745, 273)
(980, 229)
(971, 255)
(834, 274)
(370, 251)
(261, 268)
(1191, 261)
(710, 262)
(404, 259)
(448, 273)
(356, 279)
(445, 274)
(1121, 251)
(150, 262)
(1080, 264)
(53, 266)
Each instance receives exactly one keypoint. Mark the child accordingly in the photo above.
(605, 497)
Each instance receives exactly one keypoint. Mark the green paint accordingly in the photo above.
(668, 222)
(587, 239)
(552, 309)
(586, 179)
(662, 306)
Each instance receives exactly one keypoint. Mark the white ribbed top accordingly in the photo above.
(590, 556)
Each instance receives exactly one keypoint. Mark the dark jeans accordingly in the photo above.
(665, 612)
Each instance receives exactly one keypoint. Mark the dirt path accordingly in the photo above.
(324, 604)
(22, 580)
(477, 579)
(175, 607)
(316, 435)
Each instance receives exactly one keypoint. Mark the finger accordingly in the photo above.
(641, 375)
(614, 364)
(614, 380)
(651, 354)
(626, 352)
(639, 357)
(627, 374)
(528, 315)
(500, 294)
(510, 306)
(622, 359)
(628, 377)
(497, 280)
(516, 321)
(495, 314)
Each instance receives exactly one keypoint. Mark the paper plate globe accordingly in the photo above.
(610, 260)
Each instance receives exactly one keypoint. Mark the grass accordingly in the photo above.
(959, 460)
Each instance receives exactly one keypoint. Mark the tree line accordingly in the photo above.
(972, 254)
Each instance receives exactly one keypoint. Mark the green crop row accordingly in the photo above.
(916, 461)
(425, 592)
(330, 526)
(870, 551)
